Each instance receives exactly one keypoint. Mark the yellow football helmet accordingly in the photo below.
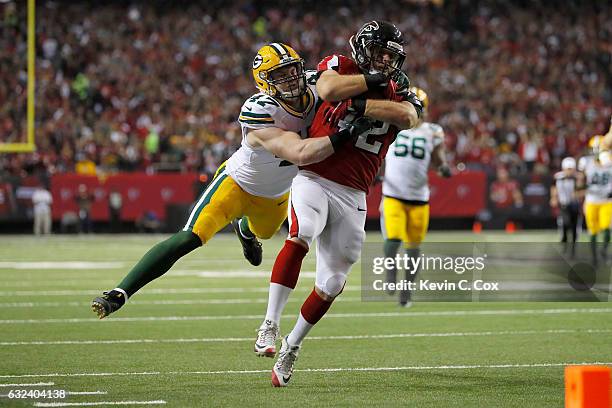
(271, 57)
(422, 95)
(595, 144)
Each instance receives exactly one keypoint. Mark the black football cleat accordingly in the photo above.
(108, 303)
(251, 247)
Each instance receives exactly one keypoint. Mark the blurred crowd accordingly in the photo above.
(157, 86)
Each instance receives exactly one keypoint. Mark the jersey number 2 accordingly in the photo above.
(379, 129)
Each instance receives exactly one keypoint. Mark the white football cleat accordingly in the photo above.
(282, 370)
(265, 344)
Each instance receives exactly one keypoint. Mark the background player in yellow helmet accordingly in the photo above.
(606, 143)
(405, 206)
(253, 184)
(596, 182)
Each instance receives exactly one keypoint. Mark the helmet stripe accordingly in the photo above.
(285, 49)
(279, 50)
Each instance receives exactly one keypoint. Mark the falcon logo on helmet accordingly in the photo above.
(279, 71)
(378, 47)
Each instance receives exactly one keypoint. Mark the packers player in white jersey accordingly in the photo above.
(253, 184)
(405, 204)
(596, 183)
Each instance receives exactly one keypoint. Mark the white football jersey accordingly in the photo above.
(256, 170)
(598, 179)
(407, 162)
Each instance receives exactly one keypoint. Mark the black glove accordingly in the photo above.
(360, 125)
(354, 128)
(444, 170)
(376, 81)
(403, 83)
(416, 102)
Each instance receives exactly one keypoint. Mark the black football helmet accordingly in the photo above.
(372, 41)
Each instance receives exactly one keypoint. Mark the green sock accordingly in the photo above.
(412, 253)
(594, 247)
(606, 240)
(244, 228)
(391, 246)
(159, 260)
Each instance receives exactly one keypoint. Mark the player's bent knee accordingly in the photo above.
(300, 242)
(333, 286)
(352, 252)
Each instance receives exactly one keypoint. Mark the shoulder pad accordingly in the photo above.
(258, 111)
(339, 63)
(311, 76)
(436, 129)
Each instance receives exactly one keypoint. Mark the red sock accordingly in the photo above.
(286, 269)
(314, 308)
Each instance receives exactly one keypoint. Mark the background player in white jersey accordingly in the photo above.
(596, 180)
(255, 181)
(405, 203)
(564, 196)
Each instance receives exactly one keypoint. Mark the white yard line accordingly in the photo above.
(317, 370)
(39, 384)
(508, 312)
(86, 392)
(167, 302)
(182, 274)
(91, 404)
(354, 337)
(157, 291)
(35, 265)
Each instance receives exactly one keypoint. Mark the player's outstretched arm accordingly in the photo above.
(289, 146)
(334, 87)
(438, 159)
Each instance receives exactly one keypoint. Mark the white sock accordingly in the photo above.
(278, 295)
(300, 330)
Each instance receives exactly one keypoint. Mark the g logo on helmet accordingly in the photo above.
(257, 61)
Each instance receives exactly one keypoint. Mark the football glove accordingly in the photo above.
(354, 128)
(355, 106)
(403, 83)
(376, 81)
(416, 102)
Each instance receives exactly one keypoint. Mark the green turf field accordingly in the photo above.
(186, 339)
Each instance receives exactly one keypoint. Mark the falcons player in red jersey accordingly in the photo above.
(328, 200)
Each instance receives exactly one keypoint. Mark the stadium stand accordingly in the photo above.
(153, 86)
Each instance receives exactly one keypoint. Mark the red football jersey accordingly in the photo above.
(357, 162)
